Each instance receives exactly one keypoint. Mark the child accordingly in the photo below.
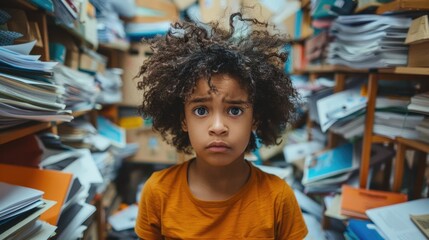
(212, 92)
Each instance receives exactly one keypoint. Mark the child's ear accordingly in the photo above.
(184, 125)
(254, 125)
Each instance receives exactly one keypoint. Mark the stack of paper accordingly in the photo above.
(34, 97)
(395, 220)
(339, 105)
(110, 84)
(420, 103)
(20, 209)
(80, 88)
(393, 125)
(369, 41)
(75, 210)
(423, 130)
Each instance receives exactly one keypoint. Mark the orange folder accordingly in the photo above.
(355, 201)
(54, 184)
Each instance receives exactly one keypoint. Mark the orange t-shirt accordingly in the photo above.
(265, 208)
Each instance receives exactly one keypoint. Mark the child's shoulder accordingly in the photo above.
(167, 176)
(270, 181)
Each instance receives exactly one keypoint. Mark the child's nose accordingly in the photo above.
(218, 126)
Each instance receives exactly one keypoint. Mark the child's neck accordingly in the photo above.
(217, 183)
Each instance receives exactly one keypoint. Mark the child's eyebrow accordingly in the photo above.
(199, 99)
(233, 101)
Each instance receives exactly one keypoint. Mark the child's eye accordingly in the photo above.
(200, 111)
(235, 111)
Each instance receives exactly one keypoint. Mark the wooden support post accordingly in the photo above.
(367, 137)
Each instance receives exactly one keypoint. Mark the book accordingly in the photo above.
(329, 163)
(356, 201)
(394, 220)
(422, 222)
(364, 230)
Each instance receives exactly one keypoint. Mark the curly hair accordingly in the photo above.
(192, 51)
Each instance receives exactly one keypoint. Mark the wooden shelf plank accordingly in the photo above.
(14, 133)
(403, 5)
(418, 145)
(369, 6)
(381, 139)
(406, 70)
(120, 46)
(332, 69)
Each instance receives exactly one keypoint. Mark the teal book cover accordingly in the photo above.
(330, 163)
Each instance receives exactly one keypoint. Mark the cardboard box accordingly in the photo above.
(418, 39)
(298, 25)
(184, 4)
(418, 55)
(255, 9)
(132, 62)
(212, 10)
(166, 11)
(152, 148)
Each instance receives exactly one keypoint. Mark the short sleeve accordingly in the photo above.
(290, 222)
(148, 223)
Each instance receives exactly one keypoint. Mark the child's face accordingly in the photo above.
(219, 123)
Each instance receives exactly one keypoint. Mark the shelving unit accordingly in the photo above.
(394, 74)
(45, 22)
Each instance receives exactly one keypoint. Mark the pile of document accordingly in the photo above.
(27, 91)
(423, 130)
(393, 125)
(20, 210)
(81, 90)
(110, 83)
(369, 41)
(420, 103)
(110, 28)
(75, 211)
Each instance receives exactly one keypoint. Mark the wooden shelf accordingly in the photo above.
(14, 133)
(120, 46)
(367, 7)
(415, 144)
(406, 70)
(332, 69)
(381, 139)
(403, 5)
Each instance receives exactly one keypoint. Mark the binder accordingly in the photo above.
(54, 184)
(356, 201)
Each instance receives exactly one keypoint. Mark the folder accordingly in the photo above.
(356, 201)
(54, 184)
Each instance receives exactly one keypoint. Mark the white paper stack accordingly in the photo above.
(26, 90)
(369, 41)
